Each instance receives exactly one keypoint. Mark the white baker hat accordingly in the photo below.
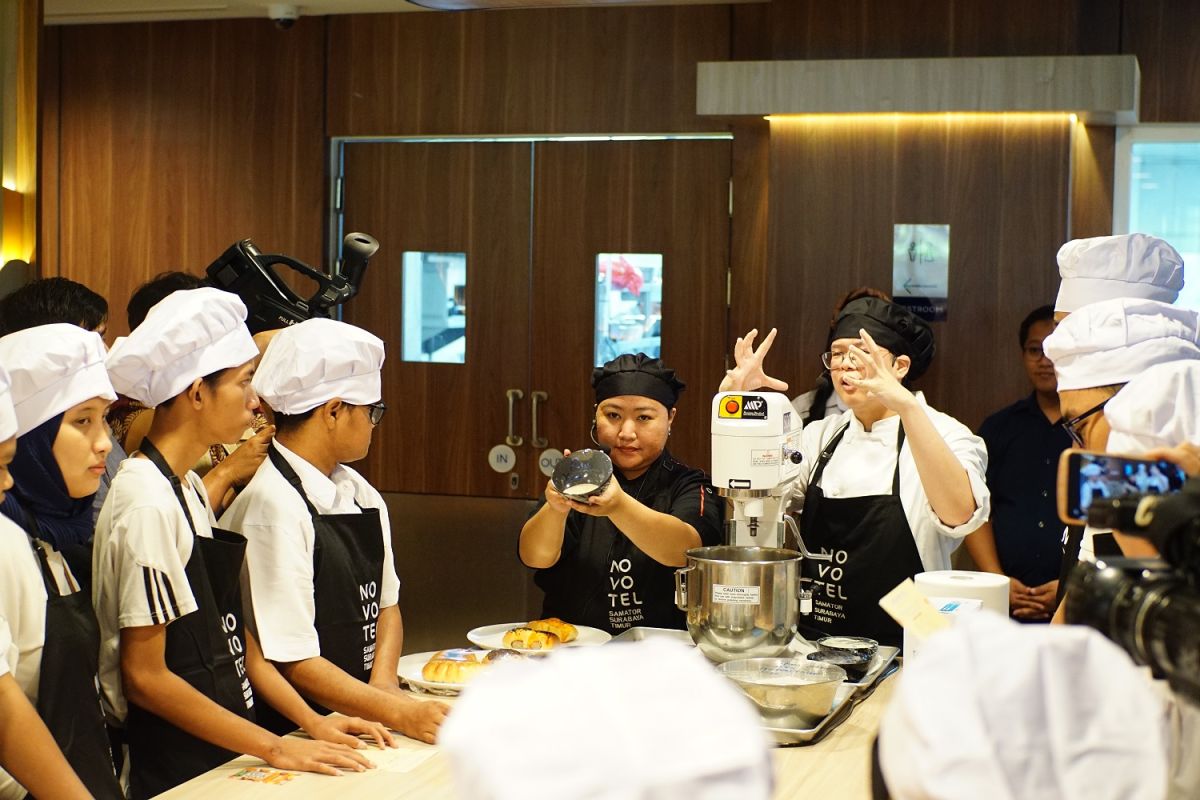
(52, 368)
(8, 417)
(1128, 265)
(996, 710)
(649, 720)
(1158, 408)
(1112, 341)
(187, 335)
(316, 361)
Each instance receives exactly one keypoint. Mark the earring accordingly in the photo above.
(592, 433)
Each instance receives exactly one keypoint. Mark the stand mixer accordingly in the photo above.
(744, 599)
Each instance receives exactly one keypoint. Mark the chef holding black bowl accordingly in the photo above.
(607, 559)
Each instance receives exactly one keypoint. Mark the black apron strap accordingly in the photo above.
(156, 458)
(289, 475)
(827, 454)
(899, 447)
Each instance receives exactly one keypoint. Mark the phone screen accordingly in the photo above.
(1095, 476)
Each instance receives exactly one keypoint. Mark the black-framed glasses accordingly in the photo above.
(1034, 352)
(375, 411)
(834, 358)
(1071, 425)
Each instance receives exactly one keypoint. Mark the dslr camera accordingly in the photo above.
(1149, 607)
(270, 302)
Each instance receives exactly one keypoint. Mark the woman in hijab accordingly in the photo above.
(60, 391)
(608, 562)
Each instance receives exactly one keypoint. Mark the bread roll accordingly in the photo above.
(502, 655)
(565, 631)
(526, 638)
(452, 666)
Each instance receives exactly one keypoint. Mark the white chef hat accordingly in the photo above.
(995, 710)
(1158, 408)
(52, 368)
(1128, 265)
(650, 720)
(1111, 341)
(316, 361)
(187, 335)
(8, 417)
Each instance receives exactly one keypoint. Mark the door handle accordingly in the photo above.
(512, 440)
(534, 439)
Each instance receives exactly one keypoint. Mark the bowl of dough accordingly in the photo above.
(582, 474)
(789, 692)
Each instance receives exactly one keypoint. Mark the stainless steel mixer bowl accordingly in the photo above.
(740, 601)
(789, 692)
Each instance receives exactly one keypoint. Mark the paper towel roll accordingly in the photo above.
(988, 587)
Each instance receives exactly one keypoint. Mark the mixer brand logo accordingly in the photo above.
(748, 406)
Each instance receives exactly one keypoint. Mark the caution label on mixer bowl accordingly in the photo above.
(735, 595)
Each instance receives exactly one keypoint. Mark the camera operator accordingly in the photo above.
(1096, 351)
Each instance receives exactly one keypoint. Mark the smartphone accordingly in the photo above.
(1084, 476)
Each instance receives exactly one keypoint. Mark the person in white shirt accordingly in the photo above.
(167, 582)
(30, 759)
(890, 486)
(321, 571)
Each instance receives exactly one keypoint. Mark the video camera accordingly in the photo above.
(271, 303)
(1150, 607)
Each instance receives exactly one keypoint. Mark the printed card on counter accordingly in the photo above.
(912, 610)
(268, 775)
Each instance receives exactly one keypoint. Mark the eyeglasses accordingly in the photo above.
(1034, 353)
(375, 411)
(834, 359)
(1071, 426)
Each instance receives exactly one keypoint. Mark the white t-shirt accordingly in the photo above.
(23, 616)
(279, 551)
(143, 543)
(864, 462)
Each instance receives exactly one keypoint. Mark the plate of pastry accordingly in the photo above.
(446, 672)
(536, 636)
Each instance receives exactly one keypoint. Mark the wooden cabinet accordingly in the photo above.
(532, 218)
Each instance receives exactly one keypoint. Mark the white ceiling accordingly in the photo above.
(73, 12)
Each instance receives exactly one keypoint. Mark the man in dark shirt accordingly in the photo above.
(1023, 538)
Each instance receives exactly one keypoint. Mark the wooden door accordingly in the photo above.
(445, 197)
(669, 197)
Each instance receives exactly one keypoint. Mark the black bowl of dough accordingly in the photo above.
(582, 474)
(852, 653)
(855, 665)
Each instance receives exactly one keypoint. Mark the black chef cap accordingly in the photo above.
(891, 326)
(637, 375)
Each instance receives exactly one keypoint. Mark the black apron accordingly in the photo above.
(206, 648)
(873, 549)
(68, 700)
(347, 578)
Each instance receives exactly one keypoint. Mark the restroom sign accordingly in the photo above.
(749, 406)
(921, 269)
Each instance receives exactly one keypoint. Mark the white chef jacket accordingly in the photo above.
(23, 616)
(864, 462)
(279, 552)
(142, 546)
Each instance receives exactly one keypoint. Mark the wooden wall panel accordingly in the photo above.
(931, 28)
(1163, 35)
(1092, 174)
(560, 70)
(838, 187)
(177, 139)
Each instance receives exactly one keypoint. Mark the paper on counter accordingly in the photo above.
(909, 607)
(401, 759)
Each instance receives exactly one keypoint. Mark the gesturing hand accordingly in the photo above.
(747, 374)
(872, 368)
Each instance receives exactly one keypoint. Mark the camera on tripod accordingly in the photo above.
(1150, 607)
(271, 303)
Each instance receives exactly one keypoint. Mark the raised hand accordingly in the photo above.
(747, 374)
